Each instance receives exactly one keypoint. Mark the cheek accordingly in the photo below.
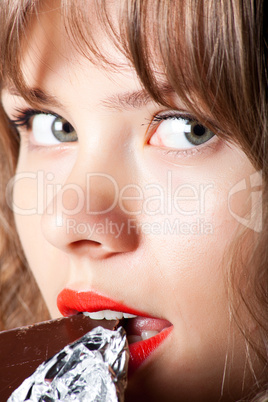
(194, 239)
(31, 195)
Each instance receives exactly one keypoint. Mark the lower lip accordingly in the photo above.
(140, 351)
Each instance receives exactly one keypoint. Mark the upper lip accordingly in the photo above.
(71, 302)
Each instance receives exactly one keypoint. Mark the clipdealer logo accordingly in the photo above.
(150, 199)
(253, 185)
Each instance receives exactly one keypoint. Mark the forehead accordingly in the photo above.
(50, 46)
(53, 59)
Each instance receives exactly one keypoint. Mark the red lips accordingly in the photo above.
(71, 302)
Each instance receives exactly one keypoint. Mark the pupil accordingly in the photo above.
(67, 127)
(199, 130)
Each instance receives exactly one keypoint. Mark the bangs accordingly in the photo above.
(211, 53)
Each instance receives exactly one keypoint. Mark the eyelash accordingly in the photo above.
(173, 115)
(24, 116)
(176, 115)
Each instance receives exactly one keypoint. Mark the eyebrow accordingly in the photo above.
(121, 101)
(38, 96)
(134, 100)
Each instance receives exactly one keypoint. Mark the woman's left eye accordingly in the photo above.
(179, 132)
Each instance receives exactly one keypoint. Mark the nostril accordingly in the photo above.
(91, 248)
(85, 243)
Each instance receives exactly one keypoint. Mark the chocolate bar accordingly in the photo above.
(23, 349)
(93, 368)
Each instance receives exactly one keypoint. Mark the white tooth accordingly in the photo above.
(86, 313)
(125, 315)
(108, 315)
(112, 315)
(97, 315)
(104, 314)
(148, 334)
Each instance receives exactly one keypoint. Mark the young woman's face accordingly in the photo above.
(117, 196)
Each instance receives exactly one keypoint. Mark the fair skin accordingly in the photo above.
(176, 276)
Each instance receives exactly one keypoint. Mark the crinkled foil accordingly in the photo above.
(94, 368)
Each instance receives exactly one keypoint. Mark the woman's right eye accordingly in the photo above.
(47, 129)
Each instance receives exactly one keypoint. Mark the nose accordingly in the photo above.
(85, 216)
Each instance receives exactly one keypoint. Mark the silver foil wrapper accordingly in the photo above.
(94, 368)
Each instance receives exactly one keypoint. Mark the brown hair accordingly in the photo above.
(212, 53)
(20, 302)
